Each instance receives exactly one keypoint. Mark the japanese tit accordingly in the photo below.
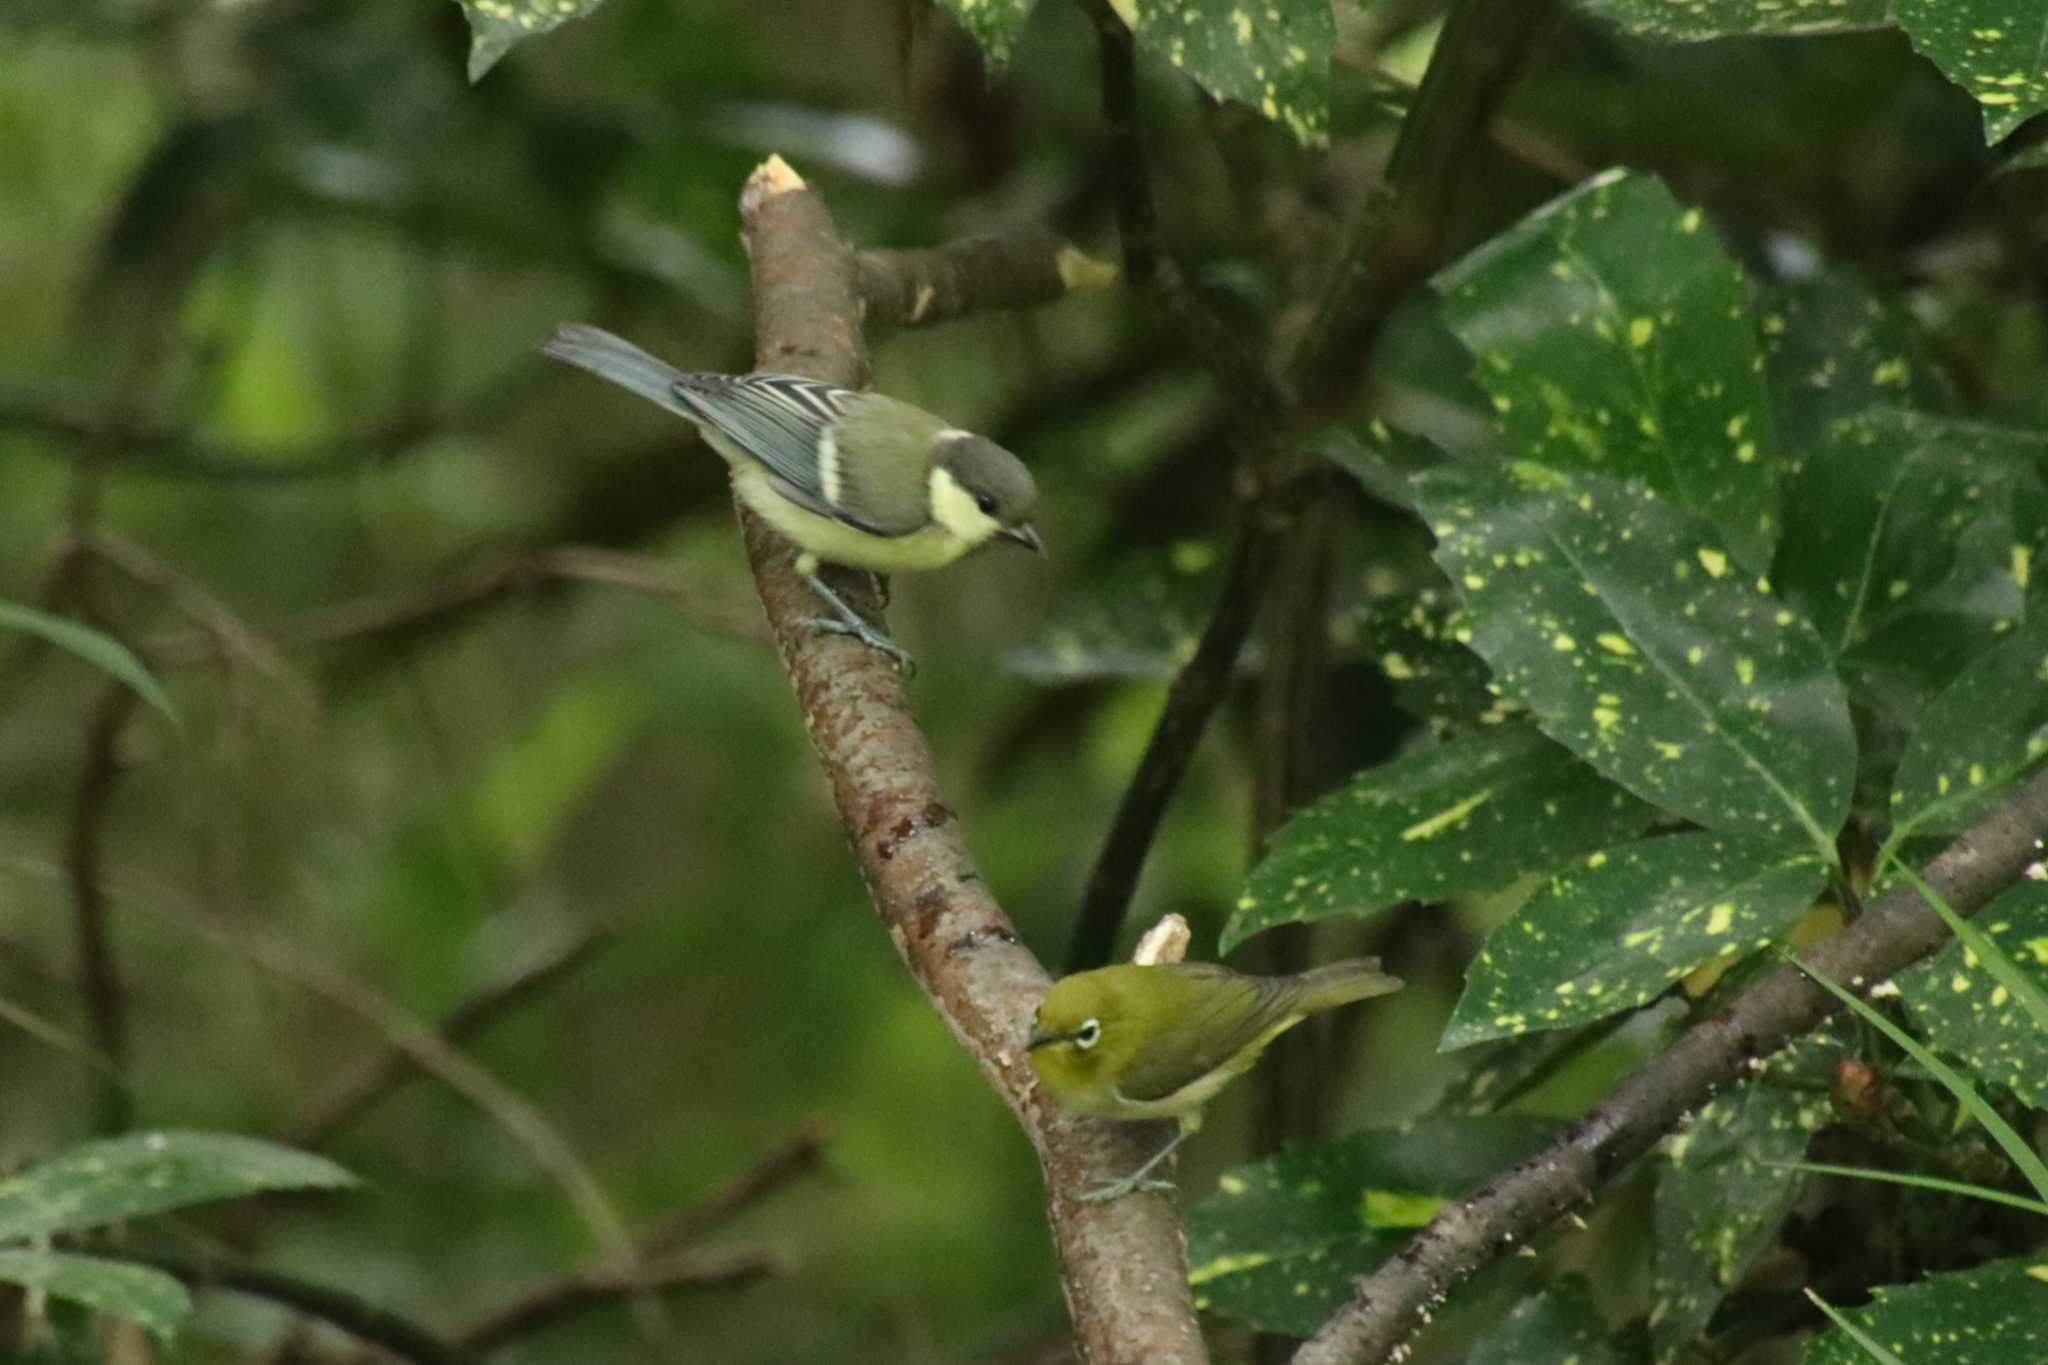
(849, 477)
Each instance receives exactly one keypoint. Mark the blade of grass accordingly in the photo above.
(2018, 1148)
(1985, 949)
(1925, 1182)
(96, 648)
(1869, 1343)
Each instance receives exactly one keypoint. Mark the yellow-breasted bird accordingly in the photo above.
(850, 477)
(1149, 1042)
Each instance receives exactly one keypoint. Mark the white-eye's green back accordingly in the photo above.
(1155, 1042)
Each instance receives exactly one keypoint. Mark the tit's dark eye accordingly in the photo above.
(987, 505)
(1089, 1034)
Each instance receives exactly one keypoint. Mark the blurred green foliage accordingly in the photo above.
(271, 278)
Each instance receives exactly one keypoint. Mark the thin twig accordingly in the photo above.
(513, 1112)
(1197, 690)
(422, 605)
(351, 1313)
(558, 1298)
(794, 1156)
(1148, 265)
(1392, 1304)
(1121, 1261)
(387, 1066)
(99, 974)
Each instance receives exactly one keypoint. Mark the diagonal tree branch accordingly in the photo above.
(1392, 1303)
(1393, 251)
(923, 288)
(1122, 1263)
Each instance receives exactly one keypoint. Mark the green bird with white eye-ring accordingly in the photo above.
(848, 477)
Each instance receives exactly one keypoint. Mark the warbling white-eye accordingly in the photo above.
(1150, 1042)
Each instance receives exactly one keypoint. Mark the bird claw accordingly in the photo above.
(846, 621)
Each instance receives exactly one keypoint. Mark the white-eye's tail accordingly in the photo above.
(619, 360)
(1340, 983)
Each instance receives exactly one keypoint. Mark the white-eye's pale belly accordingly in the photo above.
(933, 547)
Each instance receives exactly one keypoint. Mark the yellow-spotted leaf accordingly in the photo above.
(1626, 626)
(1997, 50)
(1613, 333)
(1986, 730)
(1993, 1314)
(497, 26)
(1618, 928)
(1725, 1186)
(994, 24)
(1467, 815)
(1280, 1243)
(1273, 55)
(1560, 1324)
(1963, 1010)
(1699, 20)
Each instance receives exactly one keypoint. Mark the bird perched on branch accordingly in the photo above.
(1151, 1042)
(848, 477)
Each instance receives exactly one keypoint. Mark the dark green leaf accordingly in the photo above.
(1617, 930)
(96, 648)
(1697, 20)
(1281, 1243)
(497, 26)
(1273, 56)
(1963, 1011)
(1466, 815)
(1559, 1324)
(1834, 346)
(147, 1297)
(1903, 515)
(1983, 733)
(145, 1173)
(1995, 50)
(1721, 1197)
(1625, 625)
(1613, 333)
(1995, 1314)
(1415, 638)
(994, 24)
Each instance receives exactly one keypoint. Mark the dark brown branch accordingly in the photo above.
(1392, 252)
(1148, 265)
(491, 579)
(99, 974)
(388, 1066)
(1122, 1263)
(974, 275)
(358, 1317)
(556, 1299)
(1405, 236)
(1197, 690)
(1391, 1304)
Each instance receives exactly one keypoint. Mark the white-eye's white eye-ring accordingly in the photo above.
(1089, 1034)
(987, 505)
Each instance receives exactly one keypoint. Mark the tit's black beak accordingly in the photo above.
(1025, 534)
(1040, 1037)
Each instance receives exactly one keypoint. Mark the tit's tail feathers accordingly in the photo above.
(623, 363)
(1340, 983)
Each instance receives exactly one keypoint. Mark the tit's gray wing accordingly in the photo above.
(777, 420)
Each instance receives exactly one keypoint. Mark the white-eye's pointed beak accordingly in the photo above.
(1025, 534)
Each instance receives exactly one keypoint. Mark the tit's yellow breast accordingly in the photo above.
(932, 547)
